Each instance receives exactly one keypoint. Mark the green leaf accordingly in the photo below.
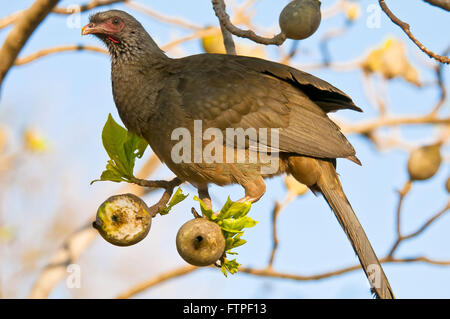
(250, 223)
(234, 209)
(114, 137)
(232, 219)
(229, 243)
(205, 211)
(226, 206)
(223, 269)
(176, 198)
(238, 243)
(122, 147)
(236, 225)
(231, 265)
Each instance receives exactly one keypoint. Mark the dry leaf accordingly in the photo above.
(390, 61)
(353, 11)
(34, 141)
(214, 44)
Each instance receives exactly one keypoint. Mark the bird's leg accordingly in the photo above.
(203, 194)
(254, 190)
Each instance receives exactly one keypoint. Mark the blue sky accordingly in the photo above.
(68, 97)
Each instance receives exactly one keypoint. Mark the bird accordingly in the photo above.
(156, 95)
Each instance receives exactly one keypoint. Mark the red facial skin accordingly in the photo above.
(108, 28)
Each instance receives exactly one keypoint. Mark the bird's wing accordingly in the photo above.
(325, 95)
(225, 93)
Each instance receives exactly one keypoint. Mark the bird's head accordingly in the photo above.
(120, 31)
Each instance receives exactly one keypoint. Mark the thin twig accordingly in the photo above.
(442, 87)
(369, 126)
(402, 194)
(275, 212)
(278, 208)
(156, 184)
(431, 220)
(224, 18)
(78, 242)
(267, 272)
(157, 280)
(41, 53)
(407, 29)
(420, 230)
(271, 273)
(24, 26)
(228, 42)
(157, 16)
(10, 19)
(85, 7)
(167, 185)
(443, 4)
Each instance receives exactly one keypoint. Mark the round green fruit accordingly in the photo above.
(123, 220)
(200, 242)
(300, 19)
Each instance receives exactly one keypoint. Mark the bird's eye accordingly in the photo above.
(115, 21)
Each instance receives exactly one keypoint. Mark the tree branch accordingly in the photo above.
(443, 4)
(157, 16)
(77, 243)
(157, 280)
(86, 7)
(270, 273)
(41, 53)
(220, 10)
(407, 29)
(167, 185)
(365, 128)
(27, 22)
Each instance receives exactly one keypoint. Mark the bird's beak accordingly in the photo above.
(91, 28)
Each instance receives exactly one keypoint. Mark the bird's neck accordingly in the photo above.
(144, 51)
(136, 79)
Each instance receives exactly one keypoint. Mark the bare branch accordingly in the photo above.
(4, 22)
(407, 29)
(441, 85)
(365, 128)
(167, 185)
(420, 230)
(226, 34)
(402, 194)
(278, 208)
(269, 272)
(443, 4)
(86, 7)
(157, 280)
(77, 243)
(8, 20)
(25, 25)
(428, 222)
(69, 252)
(224, 18)
(41, 53)
(157, 16)
(228, 40)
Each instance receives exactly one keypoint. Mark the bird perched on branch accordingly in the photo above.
(156, 95)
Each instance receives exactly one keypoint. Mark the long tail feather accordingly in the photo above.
(332, 191)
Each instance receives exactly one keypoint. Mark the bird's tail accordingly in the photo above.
(330, 186)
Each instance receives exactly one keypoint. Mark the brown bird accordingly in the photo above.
(157, 97)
